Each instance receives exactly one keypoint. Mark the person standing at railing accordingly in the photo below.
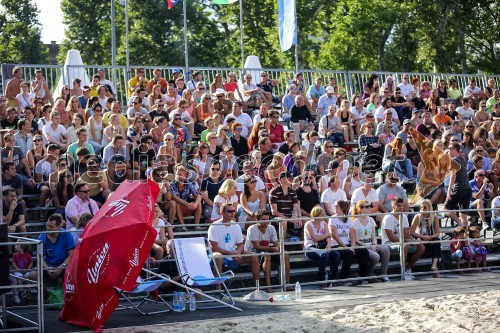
(314, 92)
(406, 87)
(425, 227)
(40, 87)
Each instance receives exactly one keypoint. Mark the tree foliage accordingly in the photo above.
(20, 33)
(413, 35)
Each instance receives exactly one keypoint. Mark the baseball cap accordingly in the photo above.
(415, 110)
(332, 165)
(176, 70)
(330, 90)
(86, 88)
(407, 121)
(219, 91)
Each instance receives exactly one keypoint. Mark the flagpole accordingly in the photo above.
(113, 38)
(242, 38)
(296, 40)
(186, 55)
(127, 61)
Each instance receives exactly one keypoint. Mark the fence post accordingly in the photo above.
(401, 246)
(282, 256)
(39, 271)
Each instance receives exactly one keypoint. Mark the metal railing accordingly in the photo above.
(38, 284)
(349, 82)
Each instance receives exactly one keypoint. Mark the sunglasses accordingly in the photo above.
(177, 118)
(393, 179)
(98, 110)
(135, 103)
(215, 169)
(204, 147)
(252, 182)
(230, 211)
(37, 140)
(168, 139)
(87, 191)
(365, 206)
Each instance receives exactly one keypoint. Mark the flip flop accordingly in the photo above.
(436, 273)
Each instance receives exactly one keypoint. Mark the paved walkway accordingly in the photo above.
(312, 297)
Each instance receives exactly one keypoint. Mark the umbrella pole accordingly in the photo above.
(163, 277)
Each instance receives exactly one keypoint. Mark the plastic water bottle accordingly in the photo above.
(192, 302)
(298, 291)
(182, 301)
(176, 304)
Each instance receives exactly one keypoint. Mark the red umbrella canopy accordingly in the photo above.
(114, 246)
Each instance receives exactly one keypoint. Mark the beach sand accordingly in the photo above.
(471, 312)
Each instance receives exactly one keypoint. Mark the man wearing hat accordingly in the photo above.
(176, 74)
(403, 134)
(285, 204)
(222, 105)
(325, 101)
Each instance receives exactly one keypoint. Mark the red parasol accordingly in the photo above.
(114, 246)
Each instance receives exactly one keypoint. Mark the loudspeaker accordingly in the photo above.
(4, 259)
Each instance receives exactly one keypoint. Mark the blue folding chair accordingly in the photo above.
(149, 287)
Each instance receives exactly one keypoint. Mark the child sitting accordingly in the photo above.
(477, 250)
(22, 263)
(459, 248)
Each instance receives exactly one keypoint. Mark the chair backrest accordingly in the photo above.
(192, 259)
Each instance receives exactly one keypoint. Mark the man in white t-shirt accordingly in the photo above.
(386, 106)
(495, 218)
(391, 235)
(55, 132)
(475, 93)
(226, 238)
(240, 117)
(406, 87)
(331, 195)
(465, 112)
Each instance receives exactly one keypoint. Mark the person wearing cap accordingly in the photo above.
(197, 77)
(102, 79)
(289, 99)
(314, 92)
(386, 106)
(222, 105)
(176, 74)
(158, 79)
(138, 81)
(267, 85)
(325, 101)
(405, 131)
(284, 203)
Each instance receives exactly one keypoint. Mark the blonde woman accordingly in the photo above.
(114, 128)
(155, 95)
(188, 96)
(274, 169)
(168, 154)
(204, 110)
(74, 106)
(317, 244)
(227, 194)
(366, 236)
(223, 140)
(425, 227)
(494, 134)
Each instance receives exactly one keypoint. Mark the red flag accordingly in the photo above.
(172, 3)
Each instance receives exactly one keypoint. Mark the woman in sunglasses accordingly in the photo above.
(251, 201)
(425, 227)
(37, 153)
(365, 233)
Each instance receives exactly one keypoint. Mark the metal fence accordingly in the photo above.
(349, 82)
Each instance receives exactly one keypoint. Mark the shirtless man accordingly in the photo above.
(14, 87)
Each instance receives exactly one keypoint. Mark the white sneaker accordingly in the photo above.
(385, 278)
(408, 275)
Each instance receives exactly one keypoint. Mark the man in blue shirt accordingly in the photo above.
(481, 190)
(57, 249)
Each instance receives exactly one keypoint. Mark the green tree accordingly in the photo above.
(20, 33)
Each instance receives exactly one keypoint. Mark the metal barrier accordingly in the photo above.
(30, 284)
(350, 83)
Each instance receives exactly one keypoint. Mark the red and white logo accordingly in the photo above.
(117, 207)
(93, 273)
(135, 260)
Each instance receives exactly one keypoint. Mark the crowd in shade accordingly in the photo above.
(231, 151)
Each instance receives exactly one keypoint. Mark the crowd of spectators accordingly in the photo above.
(226, 151)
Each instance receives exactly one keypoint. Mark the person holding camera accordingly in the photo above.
(482, 191)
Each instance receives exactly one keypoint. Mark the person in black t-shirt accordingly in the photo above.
(142, 157)
(308, 197)
(210, 188)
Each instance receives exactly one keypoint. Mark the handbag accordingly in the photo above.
(320, 245)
